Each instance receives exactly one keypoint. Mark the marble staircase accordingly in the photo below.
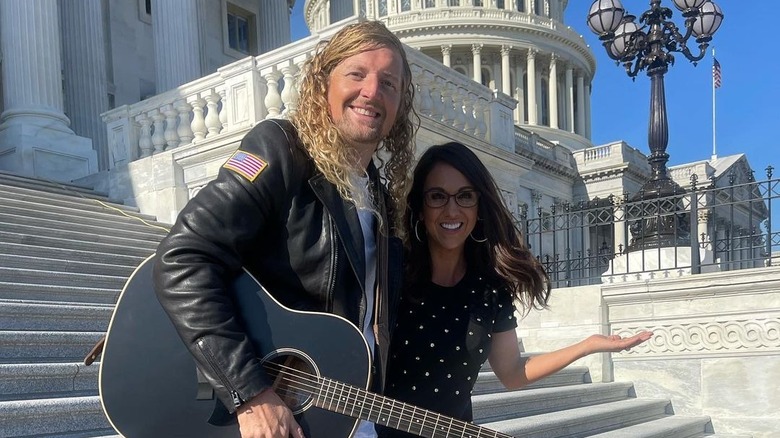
(66, 253)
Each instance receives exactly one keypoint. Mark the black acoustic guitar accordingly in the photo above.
(150, 387)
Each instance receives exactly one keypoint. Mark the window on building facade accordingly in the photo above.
(478, 3)
(453, 2)
(241, 30)
(382, 8)
(520, 4)
(406, 5)
(145, 11)
(500, 4)
(429, 3)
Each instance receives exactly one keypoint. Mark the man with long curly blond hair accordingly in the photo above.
(303, 207)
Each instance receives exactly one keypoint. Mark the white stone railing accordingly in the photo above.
(468, 14)
(242, 93)
(597, 153)
(608, 155)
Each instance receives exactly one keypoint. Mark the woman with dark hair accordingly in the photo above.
(467, 265)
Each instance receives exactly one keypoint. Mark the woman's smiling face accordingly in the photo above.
(448, 226)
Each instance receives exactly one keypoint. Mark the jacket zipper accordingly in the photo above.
(334, 247)
(237, 400)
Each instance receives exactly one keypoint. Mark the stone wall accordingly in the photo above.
(715, 352)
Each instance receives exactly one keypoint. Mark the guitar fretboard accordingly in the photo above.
(358, 403)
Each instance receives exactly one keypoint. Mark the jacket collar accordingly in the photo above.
(346, 220)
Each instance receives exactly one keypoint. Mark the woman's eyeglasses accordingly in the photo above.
(436, 198)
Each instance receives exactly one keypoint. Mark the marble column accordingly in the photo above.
(531, 72)
(580, 105)
(476, 50)
(176, 43)
(84, 68)
(35, 137)
(587, 111)
(275, 25)
(506, 82)
(446, 51)
(520, 95)
(570, 98)
(553, 95)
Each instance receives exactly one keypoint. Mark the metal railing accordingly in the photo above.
(724, 225)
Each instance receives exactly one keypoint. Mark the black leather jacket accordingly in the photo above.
(294, 233)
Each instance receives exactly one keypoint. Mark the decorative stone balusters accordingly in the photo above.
(170, 134)
(423, 94)
(198, 124)
(158, 136)
(460, 117)
(471, 119)
(145, 136)
(447, 93)
(223, 112)
(184, 130)
(437, 97)
(290, 92)
(213, 124)
(273, 99)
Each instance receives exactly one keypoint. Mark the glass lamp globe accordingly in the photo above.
(605, 16)
(707, 23)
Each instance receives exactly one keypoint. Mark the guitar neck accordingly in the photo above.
(358, 403)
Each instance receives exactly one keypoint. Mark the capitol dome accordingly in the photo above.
(502, 44)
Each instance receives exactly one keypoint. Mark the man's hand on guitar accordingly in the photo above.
(266, 416)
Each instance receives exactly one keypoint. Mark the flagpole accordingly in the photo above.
(714, 150)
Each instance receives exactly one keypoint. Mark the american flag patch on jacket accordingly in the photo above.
(245, 164)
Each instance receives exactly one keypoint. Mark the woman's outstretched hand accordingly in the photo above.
(615, 343)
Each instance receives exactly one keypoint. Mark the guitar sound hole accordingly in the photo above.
(295, 377)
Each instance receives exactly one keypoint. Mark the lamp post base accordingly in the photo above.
(661, 219)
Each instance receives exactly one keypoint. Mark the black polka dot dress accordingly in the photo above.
(440, 342)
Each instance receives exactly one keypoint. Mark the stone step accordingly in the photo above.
(44, 292)
(68, 417)
(65, 265)
(64, 243)
(75, 224)
(34, 276)
(45, 380)
(488, 382)
(42, 200)
(49, 316)
(19, 181)
(504, 405)
(107, 221)
(584, 421)
(675, 426)
(40, 230)
(84, 257)
(19, 346)
(88, 209)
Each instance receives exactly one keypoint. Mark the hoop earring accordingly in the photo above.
(471, 234)
(415, 231)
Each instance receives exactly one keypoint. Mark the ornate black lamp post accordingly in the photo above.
(649, 46)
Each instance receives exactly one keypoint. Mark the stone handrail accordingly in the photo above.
(247, 91)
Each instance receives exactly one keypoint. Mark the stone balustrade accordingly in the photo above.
(243, 93)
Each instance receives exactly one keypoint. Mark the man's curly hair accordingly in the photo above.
(318, 131)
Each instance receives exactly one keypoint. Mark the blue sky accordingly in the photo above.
(746, 103)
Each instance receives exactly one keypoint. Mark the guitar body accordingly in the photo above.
(149, 385)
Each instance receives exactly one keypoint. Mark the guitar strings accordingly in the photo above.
(310, 385)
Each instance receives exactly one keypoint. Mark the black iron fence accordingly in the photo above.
(725, 224)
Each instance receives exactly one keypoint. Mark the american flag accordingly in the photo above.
(715, 73)
(246, 165)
